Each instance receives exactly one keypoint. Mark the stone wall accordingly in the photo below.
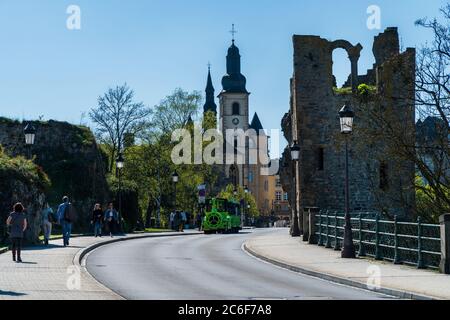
(315, 107)
(69, 155)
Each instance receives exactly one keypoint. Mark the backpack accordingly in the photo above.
(70, 214)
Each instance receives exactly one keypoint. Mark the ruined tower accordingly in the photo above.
(314, 123)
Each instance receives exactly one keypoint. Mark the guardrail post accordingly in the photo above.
(328, 243)
(396, 251)
(336, 240)
(362, 249)
(312, 225)
(320, 229)
(420, 264)
(377, 238)
(444, 221)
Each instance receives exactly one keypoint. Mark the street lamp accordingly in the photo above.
(175, 180)
(30, 135)
(295, 155)
(120, 162)
(346, 116)
(246, 191)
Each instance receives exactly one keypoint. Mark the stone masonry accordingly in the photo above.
(313, 121)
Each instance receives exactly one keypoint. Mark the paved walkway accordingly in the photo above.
(287, 251)
(50, 273)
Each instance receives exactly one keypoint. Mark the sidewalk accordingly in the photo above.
(402, 281)
(48, 273)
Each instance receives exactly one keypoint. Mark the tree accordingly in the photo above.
(228, 193)
(174, 111)
(117, 115)
(433, 100)
(426, 146)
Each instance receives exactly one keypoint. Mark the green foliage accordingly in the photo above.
(173, 112)
(366, 90)
(428, 205)
(84, 136)
(342, 91)
(209, 120)
(24, 170)
(228, 193)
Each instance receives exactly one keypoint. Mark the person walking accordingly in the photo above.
(199, 221)
(66, 216)
(97, 220)
(171, 220)
(18, 223)
(183, 221)
(47, 222)
(112, 218)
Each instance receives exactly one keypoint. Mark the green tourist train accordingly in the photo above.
(222, 216)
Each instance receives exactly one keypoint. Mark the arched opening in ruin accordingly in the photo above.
(341, 69)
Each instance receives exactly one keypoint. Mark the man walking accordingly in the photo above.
(112, 218)
(66, 216)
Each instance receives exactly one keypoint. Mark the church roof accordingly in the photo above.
(256, 124)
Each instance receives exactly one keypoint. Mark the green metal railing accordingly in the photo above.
(396, 241)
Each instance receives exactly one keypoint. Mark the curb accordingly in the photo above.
(344, 281)
(80, 258)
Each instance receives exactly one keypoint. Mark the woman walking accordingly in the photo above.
(47, 220)
(97, 219)
(18, 223)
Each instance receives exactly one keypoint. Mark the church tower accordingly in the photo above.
(234, 112)
(234, 98)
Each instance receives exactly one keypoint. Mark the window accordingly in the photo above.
(320, 159)
(236, 109)
(384, 181)
(278, 183)
(266, 185)
(278, 196)
(286, 196)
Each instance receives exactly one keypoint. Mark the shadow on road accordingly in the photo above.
(11, 294)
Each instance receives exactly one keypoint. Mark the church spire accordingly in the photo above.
(210, 104)
(234, 81)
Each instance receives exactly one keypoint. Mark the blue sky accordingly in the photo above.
(156, 46)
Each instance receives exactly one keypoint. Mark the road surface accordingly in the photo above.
(205, 267)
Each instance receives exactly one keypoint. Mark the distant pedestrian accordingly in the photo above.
(199, 221)
(112, 219)
(66, 216)
(183, 221)
(97, 220)
(18, 223)
(47, 222)
(171, 220)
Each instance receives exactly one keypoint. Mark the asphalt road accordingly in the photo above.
(204, 267)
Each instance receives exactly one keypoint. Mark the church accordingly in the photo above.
(233, 114)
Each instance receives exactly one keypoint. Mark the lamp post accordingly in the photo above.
(30, 135)
(175, 180)
(120, 162)
(295, 155)
(246, 212)
(346, 116)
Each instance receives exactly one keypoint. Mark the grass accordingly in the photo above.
(153, 230)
